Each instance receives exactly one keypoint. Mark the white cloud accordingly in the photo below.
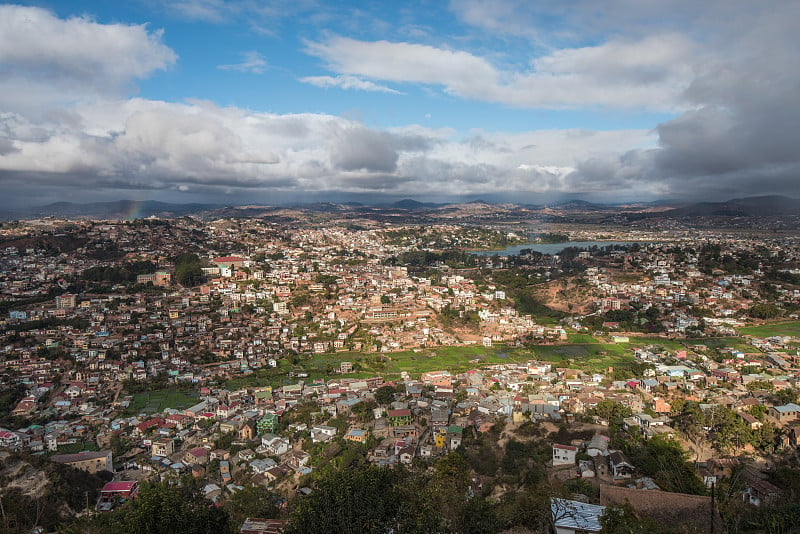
(252, 61)
(650, 73)
(47, 58)
(204, 10)
(348, 82)
(146, 144)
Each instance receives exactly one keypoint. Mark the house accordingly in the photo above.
(399, 417)
(598, 446)
(267, 424)
(454, 436)
(298, 460)
(356, 435)
(146, 426)
(750, 421)
(660, 405)
(225, 471)
(785, 413)
(406, 455)
(262, 526)
(228, 426)
(162, 447)
(219, 454)
(261, 465)
(574, 517)
(275, 445)
(198, 455)
(116, 492)
(91, 462)
(247, 431)
(246, 455)
(760, 492)
(9, 439)
(564, 454)
(621, 467)
(322, 433)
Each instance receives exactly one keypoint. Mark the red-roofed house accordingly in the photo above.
(197, 456)
(146, 426)
(8, 439)
(121, 489)
(230, 261)
(399, 417)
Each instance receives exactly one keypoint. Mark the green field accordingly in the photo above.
(591, 356)
(581, 338)
(158, 401)
(582, 351)
(80, 446)
(777, 329)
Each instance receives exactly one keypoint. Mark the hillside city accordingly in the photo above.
(644, 375)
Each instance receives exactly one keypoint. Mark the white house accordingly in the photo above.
(564, 454)
(322, 433)
(598, 446)
(275, 444)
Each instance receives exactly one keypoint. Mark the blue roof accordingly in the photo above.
(576, 515)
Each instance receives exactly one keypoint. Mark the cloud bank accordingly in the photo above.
(68, 121)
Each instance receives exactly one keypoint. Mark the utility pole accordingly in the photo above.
(713, 505)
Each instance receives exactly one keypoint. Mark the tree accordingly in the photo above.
(612, 411)
(189, 275)
(385, 395)
(786, 395)
(174, 506)
(350, 501)
(188, 272)
(764, 311)
(252, 501)
(623, 520)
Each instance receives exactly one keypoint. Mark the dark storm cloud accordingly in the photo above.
(354, 149)
(742, 137)
(7, 146)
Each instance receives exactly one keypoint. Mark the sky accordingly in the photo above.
(285, 101)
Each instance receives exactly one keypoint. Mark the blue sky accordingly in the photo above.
(269, 101)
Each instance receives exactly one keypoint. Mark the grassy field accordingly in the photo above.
(80, 446)
(581, 338)
(777, 329)
(591, 356)
(158, 401)
(581, 351)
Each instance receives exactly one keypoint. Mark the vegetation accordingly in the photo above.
(188, 271)
(160, 400)
(378, 500)
(174, 506)
(70, 487)
(119, 274)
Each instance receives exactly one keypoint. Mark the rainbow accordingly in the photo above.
(133, 211)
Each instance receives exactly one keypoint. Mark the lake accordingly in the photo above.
(548, 248)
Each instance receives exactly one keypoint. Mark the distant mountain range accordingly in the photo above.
(131, 209)
(120, 209)
(740, 207)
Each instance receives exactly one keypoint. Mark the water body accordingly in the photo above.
(548, 248)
